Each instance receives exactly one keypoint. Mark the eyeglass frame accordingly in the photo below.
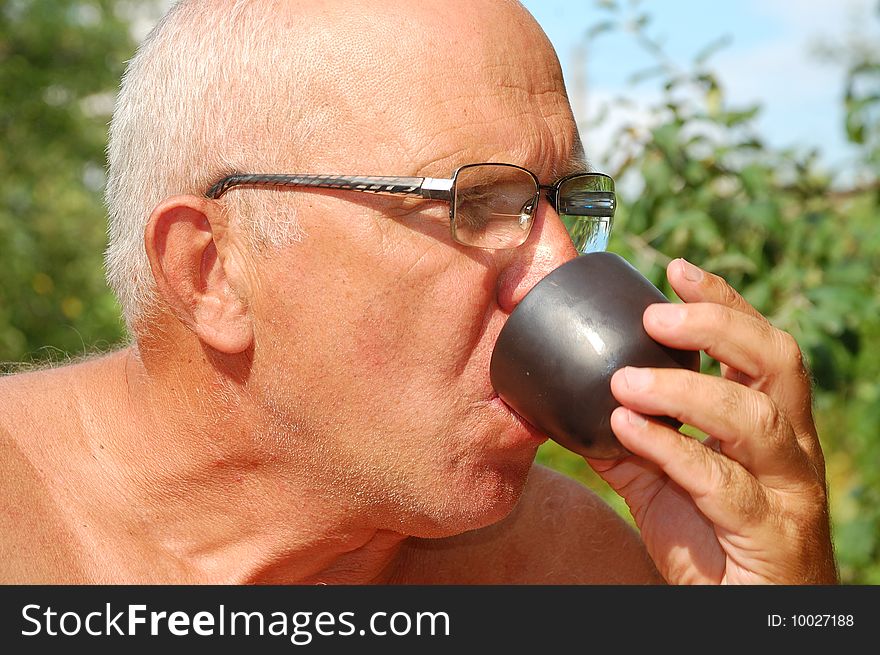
(426, 188)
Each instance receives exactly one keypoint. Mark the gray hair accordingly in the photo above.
(211, 90)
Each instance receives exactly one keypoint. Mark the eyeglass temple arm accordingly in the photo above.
(414, 187)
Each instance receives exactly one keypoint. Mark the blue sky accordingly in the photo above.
(770, 59)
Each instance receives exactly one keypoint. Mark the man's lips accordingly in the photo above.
(524, 429)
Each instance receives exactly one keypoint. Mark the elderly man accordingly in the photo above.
(307, 399)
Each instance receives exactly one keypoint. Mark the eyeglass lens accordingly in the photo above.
(586, 206)
(494, 205)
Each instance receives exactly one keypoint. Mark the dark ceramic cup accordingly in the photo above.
(554, 358)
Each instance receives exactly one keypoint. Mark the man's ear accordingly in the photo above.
(181, 240)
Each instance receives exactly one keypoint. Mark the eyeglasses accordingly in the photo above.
(490, 205)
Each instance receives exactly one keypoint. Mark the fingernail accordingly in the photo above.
(637, 378)
(690, 271)
(636, 419)
(668, 315)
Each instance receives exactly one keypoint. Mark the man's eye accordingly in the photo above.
(473, 195)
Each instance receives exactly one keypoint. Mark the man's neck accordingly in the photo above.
(187, 489)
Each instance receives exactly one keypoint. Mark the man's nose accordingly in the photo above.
(548, 247)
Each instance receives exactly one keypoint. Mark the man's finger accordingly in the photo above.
(693, 284)
(755, 353)
(749, 426)
(721, 488)
(739, 340)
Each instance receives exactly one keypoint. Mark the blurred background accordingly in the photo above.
(743, 136)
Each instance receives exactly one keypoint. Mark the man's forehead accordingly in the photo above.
(548, 145)
(514, 112)
(422, 93)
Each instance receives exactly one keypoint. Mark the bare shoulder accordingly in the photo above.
(32, 536)
(559, 533)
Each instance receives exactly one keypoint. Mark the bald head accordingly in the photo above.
(374, 79)
(366, 87)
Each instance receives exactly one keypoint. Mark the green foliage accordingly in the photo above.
(61, 63)
(804, 251)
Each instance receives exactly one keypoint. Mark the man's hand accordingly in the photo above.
(749, 504)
